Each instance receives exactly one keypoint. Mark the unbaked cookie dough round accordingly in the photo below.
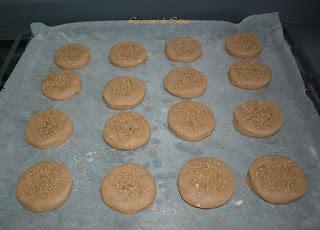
(191, 121)
(277, 179)
(206, 182)
(243, 45)
(48, 129)
(126, 131)
(185, 82)
(61, 85)
(257, 118)
(249, 74)
(124, 92)
(72, 56)
(128, 189)
(127, 54)
(183, 49)
(44, 186)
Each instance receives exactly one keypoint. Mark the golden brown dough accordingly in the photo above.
(48, 129)
(124, 92)
(185, 82)
(183, 49)
(191, 121)
(61, 85)
(257, 118)
(44, 186)
(126, 131)
(72, 56)
(243, 45)
(127, 54)
(249, 74)
(206, 182)
(277, 179)
(128, 189)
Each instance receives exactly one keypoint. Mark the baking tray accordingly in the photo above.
(88, 157)
(307, 70)
(12, 57)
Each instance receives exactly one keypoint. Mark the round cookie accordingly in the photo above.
(124, 92)
(206, 182)
(257, 118)
(61, 85)
(249, 74)
(44, 186)
(243, 45)
(185, 82)
(72, 56)
(277, 179)
(183, 49)
(127, 54)
(191, 121)
(128, 189)
(126, 131)
(48, 129)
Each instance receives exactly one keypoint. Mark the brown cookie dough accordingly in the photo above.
(48, 129)
(44, 186)
(124, 92)
(183, 49)
(128, 189)
(249, 74)
(185, 82)
(61, 85)
(191, 121)
(126, 131)
(277, 179)
(127, 54)
(243, 45)
(206, 182)
(72, 56)
(257, 118)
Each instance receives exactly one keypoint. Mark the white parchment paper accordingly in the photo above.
(89, 157)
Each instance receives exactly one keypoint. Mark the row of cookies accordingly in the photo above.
(189, 120)
(203, 182)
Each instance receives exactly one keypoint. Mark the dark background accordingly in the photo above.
(18, 14)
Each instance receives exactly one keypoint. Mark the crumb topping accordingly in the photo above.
(248, 70)
(43, 181)
(186, 78)
(127, 50)
(262, 115)
(126, 124)
(243, 41)
(207, 175)
(48, 123)
(124, 86)
(192, 115)
(129, 182)
(278, 175)
(184, 46)
(61, 80)
(72, 52)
